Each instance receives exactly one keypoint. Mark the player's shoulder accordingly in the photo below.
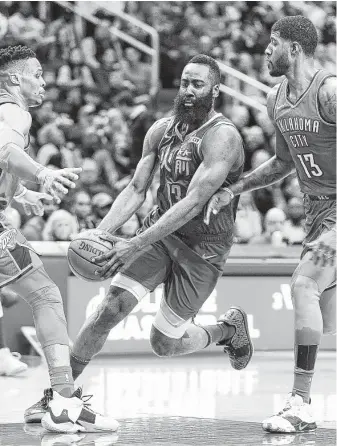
(271, 100)
(158, 129)
(328, 87)
(14, 115)
(327, 98)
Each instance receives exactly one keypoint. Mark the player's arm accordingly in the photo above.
(273, 170)
(17, 162)
(220, 148)
(327, 99)
(133, 196)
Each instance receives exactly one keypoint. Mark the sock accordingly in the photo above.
(2, 335)
(61, 380)
(77, 365)
(219, 332)
(305, 358)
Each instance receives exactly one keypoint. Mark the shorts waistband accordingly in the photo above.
(322, 197)
(208, 238)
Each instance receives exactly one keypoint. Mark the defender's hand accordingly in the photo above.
(219, 200)
(61, 180)
(324, 249)
(31, 202)
(122, 251)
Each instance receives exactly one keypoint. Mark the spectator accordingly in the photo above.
(294, 226)
(274, 222)
(75, 73)
(24, 27)
(89, 178)
(81, 209)
(33, 228)
(248, 222)
(61, 226)
(101, 204)
(139, 120)
(137, 72)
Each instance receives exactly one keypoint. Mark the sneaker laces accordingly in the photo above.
(85, 399)
(47, 397)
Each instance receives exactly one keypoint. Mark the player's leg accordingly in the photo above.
(308, 284)
(10, 364)
(328, 308)
(127, 289)
(190, 283)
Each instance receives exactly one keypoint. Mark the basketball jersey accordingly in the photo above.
(311, 139)
(179, 158)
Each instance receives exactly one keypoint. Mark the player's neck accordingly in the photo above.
(18, 98)
(299, 78)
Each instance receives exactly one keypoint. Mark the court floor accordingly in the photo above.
(193, 400)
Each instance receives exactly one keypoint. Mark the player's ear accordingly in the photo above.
(295, 48)
(216, 91)
(14, 78)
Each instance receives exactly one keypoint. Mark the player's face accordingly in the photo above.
(277, 55)
(195, 97)
(32, 83)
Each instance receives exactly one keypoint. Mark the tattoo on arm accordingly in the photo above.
(268, 173)
(330, 104)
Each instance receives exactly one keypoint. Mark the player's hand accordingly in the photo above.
(58, 181)
(219, 200)
(122, 251)
(31, 202)
(324, 249)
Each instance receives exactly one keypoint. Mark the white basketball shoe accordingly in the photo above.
(71, 415)
(10, 364)
(296, 416)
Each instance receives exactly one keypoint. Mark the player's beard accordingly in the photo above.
(280, 66)
(192, 115)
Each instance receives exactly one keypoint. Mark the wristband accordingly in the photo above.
(229, 191)
(21, 194)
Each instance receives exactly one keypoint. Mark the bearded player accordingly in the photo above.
(197, 151)
(303, 109)
(21, 270)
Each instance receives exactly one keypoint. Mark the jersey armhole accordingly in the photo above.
(332, 124)
(277, 98)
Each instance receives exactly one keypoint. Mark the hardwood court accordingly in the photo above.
(195, 400)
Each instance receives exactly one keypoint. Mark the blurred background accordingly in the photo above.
(113, 68)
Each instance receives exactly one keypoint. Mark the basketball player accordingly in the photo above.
(197, 151)
(303, 109)
(21, 270)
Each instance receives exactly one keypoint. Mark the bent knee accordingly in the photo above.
(161, 345)
(304, 287)
(117, 304)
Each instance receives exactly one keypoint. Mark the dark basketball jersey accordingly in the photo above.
(180, 156)
(311, 140)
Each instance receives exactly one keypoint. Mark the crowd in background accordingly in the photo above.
(98, 103)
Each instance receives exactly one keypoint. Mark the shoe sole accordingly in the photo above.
(70, 428)
(275, 431)
(244, 315)
(29, 419)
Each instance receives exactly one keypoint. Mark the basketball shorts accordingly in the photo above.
(320, 217)
(15, 254)
(189, 273)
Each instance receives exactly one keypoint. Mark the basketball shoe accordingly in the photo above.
(296, 416)
(239, 347)
(35, 412)
(71, 415)
(10, 364)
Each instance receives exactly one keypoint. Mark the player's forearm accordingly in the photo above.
(15, 161)
(178, 215)
(268, 173)
(123, 208)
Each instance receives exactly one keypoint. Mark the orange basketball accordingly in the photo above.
(82, 249)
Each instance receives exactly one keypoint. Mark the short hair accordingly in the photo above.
(203, 59)
(12, 54)
(298, 29)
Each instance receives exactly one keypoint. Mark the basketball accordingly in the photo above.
(82, 249)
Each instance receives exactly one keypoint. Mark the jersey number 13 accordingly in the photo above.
(309, 166)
